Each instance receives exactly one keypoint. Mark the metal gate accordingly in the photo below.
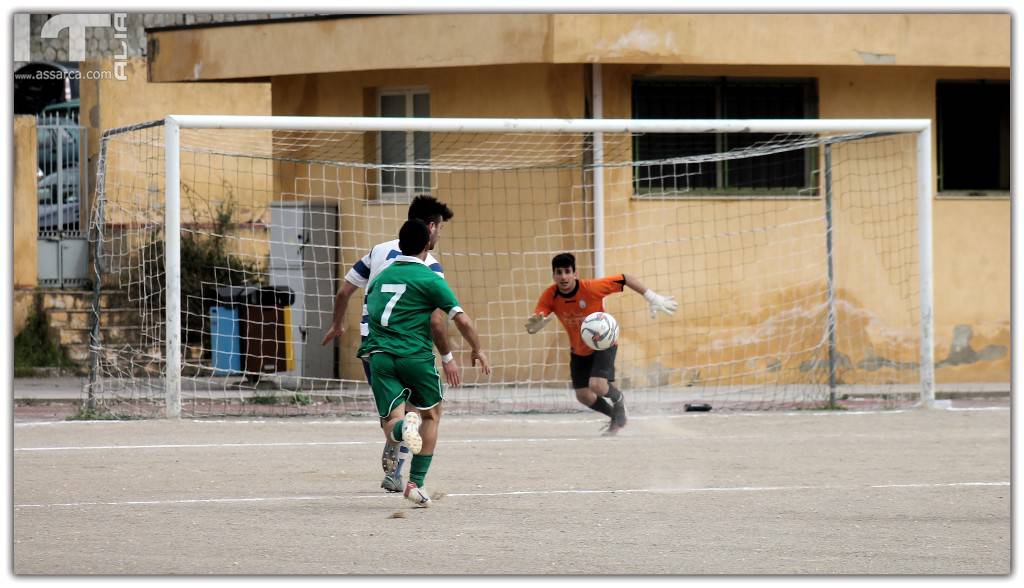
(62, 188)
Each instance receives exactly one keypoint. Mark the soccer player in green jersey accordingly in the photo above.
(435, 214)
(400, 301)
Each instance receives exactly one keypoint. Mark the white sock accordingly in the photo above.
(403, 456)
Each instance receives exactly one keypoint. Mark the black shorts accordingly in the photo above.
(599, 364)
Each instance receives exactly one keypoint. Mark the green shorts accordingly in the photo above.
(399, 379)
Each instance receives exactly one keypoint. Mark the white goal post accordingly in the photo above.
(606, 132)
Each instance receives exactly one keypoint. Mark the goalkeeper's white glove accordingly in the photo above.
(659, 303)
(537, 322)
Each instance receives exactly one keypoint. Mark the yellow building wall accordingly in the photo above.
(867, 65)
(112, 103)
(134, 180)
(26, 218)
(834, 39)
(430, 41)
(971, 237)
(475, 196)
(387, 42)
(872, 264)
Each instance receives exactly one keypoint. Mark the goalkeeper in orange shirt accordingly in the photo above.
(571, 300)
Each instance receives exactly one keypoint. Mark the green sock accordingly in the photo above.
(418, 468)
(396, 431)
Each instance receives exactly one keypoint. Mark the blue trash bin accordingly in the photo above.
(226, 340)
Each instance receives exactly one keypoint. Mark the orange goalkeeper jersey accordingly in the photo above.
(572, 308)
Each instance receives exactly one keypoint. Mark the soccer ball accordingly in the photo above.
(599, 330)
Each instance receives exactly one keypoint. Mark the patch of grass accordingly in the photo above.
(824, 406)
(302, 399)
(84, 413)
(33, 347)
(263, 399)
(22, 371)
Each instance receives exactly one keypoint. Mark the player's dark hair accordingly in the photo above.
(563, 260)
(413, 237)
(429, 210)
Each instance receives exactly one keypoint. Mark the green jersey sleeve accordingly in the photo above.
(441, 296)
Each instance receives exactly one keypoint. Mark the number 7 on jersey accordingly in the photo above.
(398, 290)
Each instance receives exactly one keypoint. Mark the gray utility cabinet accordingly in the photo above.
(304, 256)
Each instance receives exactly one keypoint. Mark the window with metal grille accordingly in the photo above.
(787, 173)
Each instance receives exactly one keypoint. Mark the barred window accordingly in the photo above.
(786, 173)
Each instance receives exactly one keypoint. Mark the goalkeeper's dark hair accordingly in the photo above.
(413, 237)
(563, 260)
(429, 210)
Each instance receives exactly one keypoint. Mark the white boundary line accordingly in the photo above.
(514, 493)
(375, 441)
(318, 421)
(624, 438)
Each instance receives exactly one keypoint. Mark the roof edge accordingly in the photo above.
(264, 21)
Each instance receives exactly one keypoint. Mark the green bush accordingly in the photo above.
(205, 266)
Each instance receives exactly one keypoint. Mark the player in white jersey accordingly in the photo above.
(434, 214)
(373, 263)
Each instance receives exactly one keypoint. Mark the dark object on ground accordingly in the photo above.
(698, 407)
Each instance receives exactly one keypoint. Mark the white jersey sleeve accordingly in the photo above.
(359, 274)
(380, 257)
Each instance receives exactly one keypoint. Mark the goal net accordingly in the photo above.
(794, 256)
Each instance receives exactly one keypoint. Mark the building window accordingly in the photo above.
(789, 173)
(404, 156)
(973, 128)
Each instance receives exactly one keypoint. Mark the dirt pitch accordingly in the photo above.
(900, 492)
